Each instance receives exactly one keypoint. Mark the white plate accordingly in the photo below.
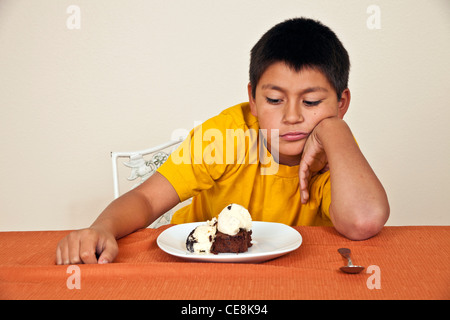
(270, 240)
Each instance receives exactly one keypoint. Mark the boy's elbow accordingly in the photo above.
(367, 225)
(365, 229)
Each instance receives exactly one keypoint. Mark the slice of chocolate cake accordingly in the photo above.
(233, 244)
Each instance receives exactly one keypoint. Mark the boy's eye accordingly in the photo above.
(273, 101)
(311, 103)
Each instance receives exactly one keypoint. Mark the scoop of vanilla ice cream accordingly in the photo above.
(203, 237)
(232, 218)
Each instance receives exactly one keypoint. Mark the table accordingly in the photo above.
(410, 262)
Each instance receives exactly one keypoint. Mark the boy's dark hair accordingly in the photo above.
(302, 43)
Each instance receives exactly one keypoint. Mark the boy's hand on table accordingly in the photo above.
(132, 211)
(81, 246)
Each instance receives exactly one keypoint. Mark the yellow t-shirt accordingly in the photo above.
(220, 163)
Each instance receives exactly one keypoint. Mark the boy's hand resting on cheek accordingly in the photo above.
(314, 160)
(81, 246)
(359, 207)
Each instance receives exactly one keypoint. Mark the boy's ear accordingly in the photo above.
(344, 103)
(251, 100)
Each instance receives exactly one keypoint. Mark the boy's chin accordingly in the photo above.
(288, 153)
(289, 157)
(292, 149)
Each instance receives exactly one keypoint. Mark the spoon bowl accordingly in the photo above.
(352, 269)
(349, 268)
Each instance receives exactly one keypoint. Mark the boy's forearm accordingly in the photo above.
(124, 215)
(359, 206)
(139, 207)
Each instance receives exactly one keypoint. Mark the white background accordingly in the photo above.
(137, 70)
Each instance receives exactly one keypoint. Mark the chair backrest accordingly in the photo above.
(143, 163)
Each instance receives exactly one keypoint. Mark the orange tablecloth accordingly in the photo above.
(413, 263)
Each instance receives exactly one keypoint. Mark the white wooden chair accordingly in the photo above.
(143, 163)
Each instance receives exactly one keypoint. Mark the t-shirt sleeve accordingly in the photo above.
(197, 162)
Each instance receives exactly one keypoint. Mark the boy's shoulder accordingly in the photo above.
(236, 117)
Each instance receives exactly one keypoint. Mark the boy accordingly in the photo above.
(298, 96)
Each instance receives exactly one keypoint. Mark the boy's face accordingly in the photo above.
(294, 103)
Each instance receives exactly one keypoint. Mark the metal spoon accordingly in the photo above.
(350, 268)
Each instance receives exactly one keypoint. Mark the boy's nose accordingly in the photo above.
(292, 113)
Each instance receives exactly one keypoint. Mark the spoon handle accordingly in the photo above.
(345, 252)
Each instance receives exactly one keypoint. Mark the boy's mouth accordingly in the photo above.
(294, 135)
